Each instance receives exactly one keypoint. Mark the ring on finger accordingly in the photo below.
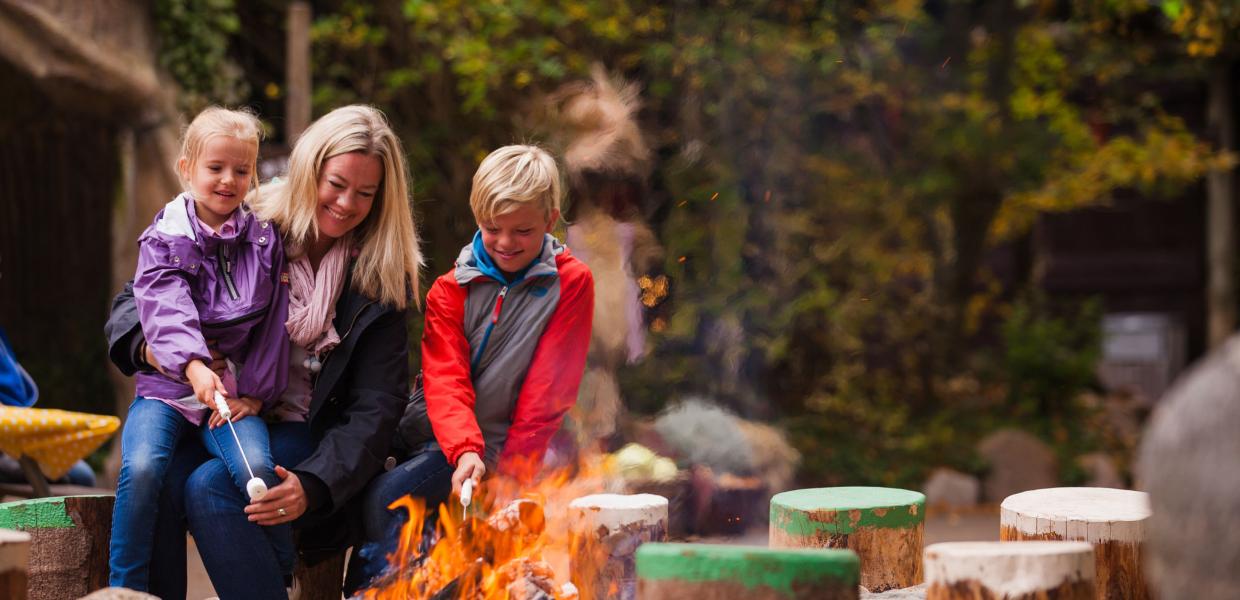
(281, 512)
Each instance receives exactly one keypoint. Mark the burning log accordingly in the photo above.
(607, 530)
(882, 525)
(676, 571)
(1112, 520)
(1012, 571)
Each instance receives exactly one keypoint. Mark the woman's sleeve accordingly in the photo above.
(445, 371)
(550, 387)
(353, 450)
(170, 321)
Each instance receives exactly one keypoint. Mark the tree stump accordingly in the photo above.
(607, 530)
(882, 525)
(68, 543)
(1112, 520)
(14, 562)
(322, 580)
(1010, 571)
(715, 572)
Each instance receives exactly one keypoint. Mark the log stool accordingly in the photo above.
(1010, 571)
(710, 572)
(14, 562)
(68, 543)
(882, 525)
(1112, 520)
(607, 530)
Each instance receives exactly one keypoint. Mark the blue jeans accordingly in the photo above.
(238, 554)
(252, 432)
(152, 432)
(427, 475)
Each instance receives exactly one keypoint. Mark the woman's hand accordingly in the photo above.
(282, 503)
(205, 382)
(239, 407)
(468, 466)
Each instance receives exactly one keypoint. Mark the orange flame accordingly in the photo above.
(516, 542)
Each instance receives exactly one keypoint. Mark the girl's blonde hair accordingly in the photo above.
(216, 121)
(388, 258)
(513, 176)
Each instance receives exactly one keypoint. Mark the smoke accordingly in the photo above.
(705, 434)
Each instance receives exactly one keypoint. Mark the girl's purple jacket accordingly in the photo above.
(194, 285)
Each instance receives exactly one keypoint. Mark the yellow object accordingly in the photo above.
(54, 438)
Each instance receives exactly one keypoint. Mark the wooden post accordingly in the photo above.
(882, 525)
(1012, 571)
(1220, 207)
(1112, 520)
(322, 581)
(607, 530)
(68, 543)
(14, 563)
(297, 71)
(718, 572)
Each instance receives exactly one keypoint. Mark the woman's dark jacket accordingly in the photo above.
(356, 404)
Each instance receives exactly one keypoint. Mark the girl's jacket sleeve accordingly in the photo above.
(550, 387)
(445, 371)
(161, 289)
(264, 362)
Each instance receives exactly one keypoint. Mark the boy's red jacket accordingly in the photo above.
(502, 360)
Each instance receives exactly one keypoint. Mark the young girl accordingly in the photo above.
(208, 270)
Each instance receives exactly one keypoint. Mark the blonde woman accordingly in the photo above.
(353, 272)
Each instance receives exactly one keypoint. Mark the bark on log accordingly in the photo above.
(1010, 571)
(1112, 520)
(321, 581)
(716, 572)
(14, 563)
(882, 525)
(68, 543)
(607, 531)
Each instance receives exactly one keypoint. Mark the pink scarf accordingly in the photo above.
(312, 299)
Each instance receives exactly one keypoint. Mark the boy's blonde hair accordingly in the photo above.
(388, 259)
(216, 121)
(514, 176)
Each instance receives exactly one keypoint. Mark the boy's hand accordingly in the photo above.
(468, 466)
(205, 382)
(239, 407)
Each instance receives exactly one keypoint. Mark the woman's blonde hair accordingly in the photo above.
(388, 259)
(513, 176)
(216, 121)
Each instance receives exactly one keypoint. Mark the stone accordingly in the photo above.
(1101, 469)
(118, 593)
(1018, 462)
(1187, 463)
(950, 488)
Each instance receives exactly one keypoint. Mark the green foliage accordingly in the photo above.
(194, 37)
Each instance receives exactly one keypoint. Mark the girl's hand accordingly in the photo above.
(239, 407)
(468, 466)
(205, 382)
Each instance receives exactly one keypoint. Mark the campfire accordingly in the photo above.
(514, 544)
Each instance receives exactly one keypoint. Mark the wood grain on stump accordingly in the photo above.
(607, 531)
(322, 580)
(714, 572)
(1010, 571)
(68, 543)
(14, 562)
(882, 525)
(1113, 521)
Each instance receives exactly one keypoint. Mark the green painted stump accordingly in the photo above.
(68, 543)
(709, 572)
(882, 525)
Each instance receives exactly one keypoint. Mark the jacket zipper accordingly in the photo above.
(224, 266)
(356, 315)
(243, 318)
(486, 336)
